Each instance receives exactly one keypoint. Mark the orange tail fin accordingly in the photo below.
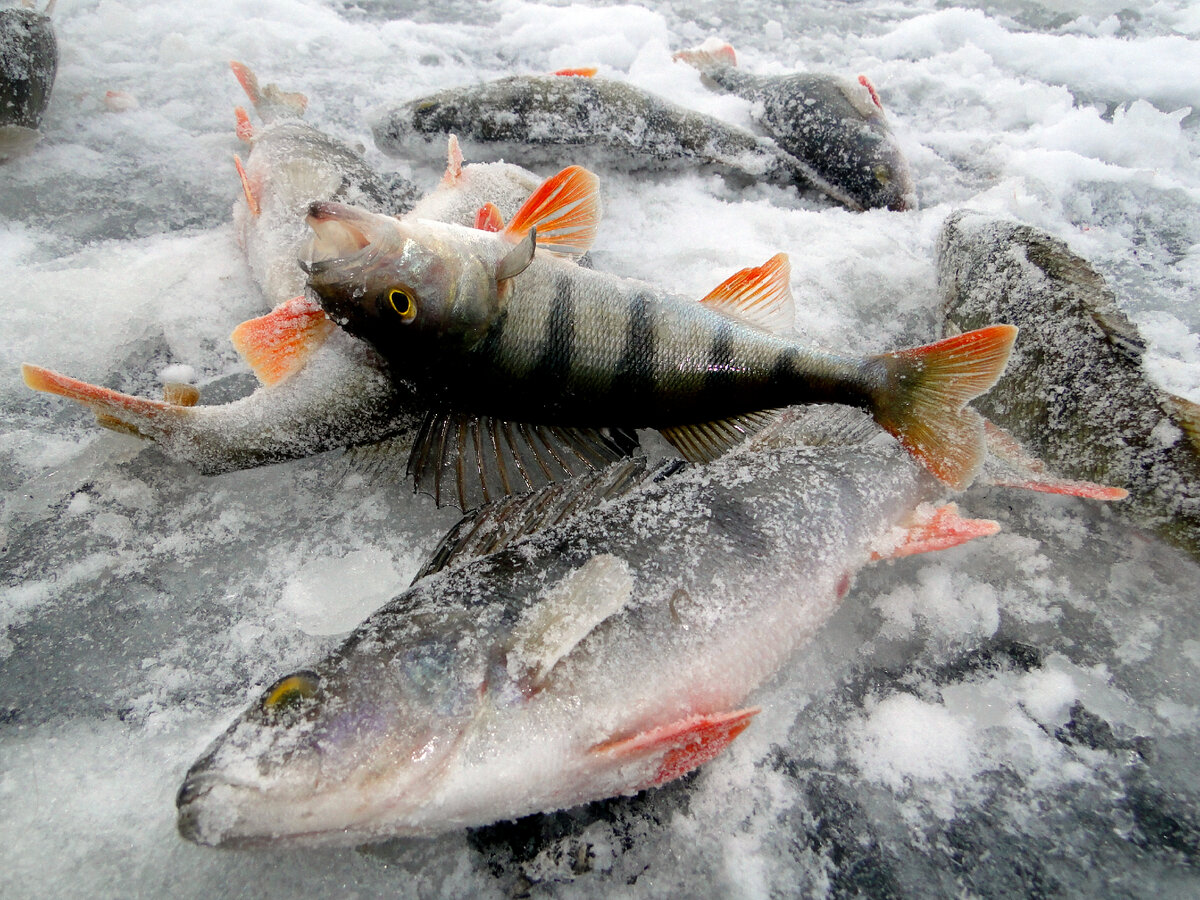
(565, 210)
(120, 412)
(928, 388)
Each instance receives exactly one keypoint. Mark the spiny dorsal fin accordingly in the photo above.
(705, 441)
(759, 295)
(280, 343)
(553, 626)
(565, 210)
(493, 527)
(1186, 415)
(454, 161)
(467, 461)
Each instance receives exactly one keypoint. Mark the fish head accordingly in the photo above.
(398, 285)
(882, 178)
(342, 753)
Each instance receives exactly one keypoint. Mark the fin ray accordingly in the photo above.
(280, 343)
(565, 210)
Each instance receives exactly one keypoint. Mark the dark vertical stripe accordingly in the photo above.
(558, 343)
(722, 377)
(635, 369)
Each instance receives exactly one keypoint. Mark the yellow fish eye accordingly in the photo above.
(403, 303)
(290, 690)
(883, 175)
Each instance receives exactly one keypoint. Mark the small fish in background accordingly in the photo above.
(833, 123)
(541, 119)
(523, 356)
(28, 64)
(1074, 391)
(611, 642)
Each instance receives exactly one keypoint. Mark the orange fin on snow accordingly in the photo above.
(488, 218)
(244, 128)
(684, 745)
(866, 82)
(278, 344)
(1022, 470)
(585, 72)
(928, 388)
(760, 295)
(713, 52)
(114, 410)
(937, 530)
(454, 161)
(251, 200)
(270, 100)
(247, 79)
(565, 210)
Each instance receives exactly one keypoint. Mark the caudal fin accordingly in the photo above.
(924, 403)
(120, 412)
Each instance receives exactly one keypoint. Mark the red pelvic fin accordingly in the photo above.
(247, 80)
(454, 161)
(923, 405)
(939, 530)
(247, 188)
(244, 128)
(584, 72)
(278, 344)
(565, 209)
(1023, 470)
(488, 218)
(760, 295)
(866, 82)
(683, 745)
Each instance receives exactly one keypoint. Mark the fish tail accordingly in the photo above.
(138, 416)
(923, 400)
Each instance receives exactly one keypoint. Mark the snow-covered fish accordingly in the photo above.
(523, 355)
(600, 656)
(28, 64)
(540, 119)
(833, 123)
(1074, 391)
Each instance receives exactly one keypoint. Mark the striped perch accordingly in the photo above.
(536, 368)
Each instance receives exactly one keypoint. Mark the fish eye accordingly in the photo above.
(290, 691)
(403, 303)
(883, 175)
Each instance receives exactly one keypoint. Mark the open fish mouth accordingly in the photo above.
(341, 233)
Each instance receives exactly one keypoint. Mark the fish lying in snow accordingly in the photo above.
(1074, 391)
(832, 123)
(541, 118)
(28, 64)
(612, 652)
(523, 355)
(316, 393)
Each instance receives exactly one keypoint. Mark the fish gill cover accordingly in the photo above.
(1013, 719)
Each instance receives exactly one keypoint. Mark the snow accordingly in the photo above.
(1016, 716)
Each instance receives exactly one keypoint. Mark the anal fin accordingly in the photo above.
(280, 343)
(934, 529)
(683, 745)
(467, 460)
(706, 441)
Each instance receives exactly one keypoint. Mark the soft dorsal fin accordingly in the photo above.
(247, 188)
(565, 210)
(280, 343)
(582, 72)
(933, 529)
(488, 218)
(705, 441)
(454, 161)
(759, 295)
(680, 746)
(468, 460)
(571, 609)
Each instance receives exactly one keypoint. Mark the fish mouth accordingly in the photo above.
(341, 233)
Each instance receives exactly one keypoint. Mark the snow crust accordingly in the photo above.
(1012, 717)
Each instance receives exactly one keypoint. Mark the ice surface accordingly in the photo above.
(1016, 717)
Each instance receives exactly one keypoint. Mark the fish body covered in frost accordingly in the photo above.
(28, 64)
(832, 123)
(540, 119)
(597, 657)
(523, 355)
(1075, 391)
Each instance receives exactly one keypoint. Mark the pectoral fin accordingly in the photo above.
(683, 745)
(280, 343)
(488, 218)
(518, 258)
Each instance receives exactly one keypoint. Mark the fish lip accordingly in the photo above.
(341, 233)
